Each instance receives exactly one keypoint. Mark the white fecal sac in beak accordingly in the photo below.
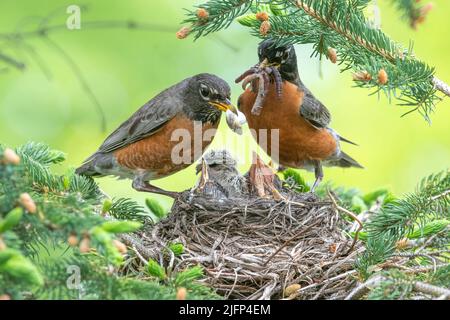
(235, 122)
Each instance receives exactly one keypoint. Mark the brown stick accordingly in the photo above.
(288, 241)
(351, 214)
(441, 86)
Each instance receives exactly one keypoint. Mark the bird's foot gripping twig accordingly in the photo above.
(260, 77)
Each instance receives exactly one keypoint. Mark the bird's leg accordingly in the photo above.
(143, 186)
(318, 171)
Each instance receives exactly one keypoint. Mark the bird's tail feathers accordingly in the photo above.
(88, 167)
(343, 161)
(346, 161)
(348, 141)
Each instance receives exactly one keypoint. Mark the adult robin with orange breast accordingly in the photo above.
(305, 140)
(141, 148)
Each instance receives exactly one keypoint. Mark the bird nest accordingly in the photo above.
(253, 247)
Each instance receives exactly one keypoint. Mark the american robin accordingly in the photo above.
(305, 140)
(142, 147)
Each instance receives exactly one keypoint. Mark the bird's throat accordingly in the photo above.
(289, 72)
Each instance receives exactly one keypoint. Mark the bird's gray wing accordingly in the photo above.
(150, 118)
(314, 111)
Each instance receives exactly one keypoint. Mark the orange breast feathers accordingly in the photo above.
(162, 156)
(298, 139)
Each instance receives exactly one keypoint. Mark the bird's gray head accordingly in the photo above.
(207, 96)
(219, 161)
(276, 55)
(282, 57)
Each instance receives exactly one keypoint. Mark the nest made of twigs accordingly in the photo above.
(255, 248)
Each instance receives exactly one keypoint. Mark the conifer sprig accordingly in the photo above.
(398, 218)
(54, 234)
(220, 15)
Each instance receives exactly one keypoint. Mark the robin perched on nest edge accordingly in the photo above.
(141, 148)
(305, 140)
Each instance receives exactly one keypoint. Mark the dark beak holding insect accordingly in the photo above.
(266, 64)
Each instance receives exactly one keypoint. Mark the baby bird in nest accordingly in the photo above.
(219, 176)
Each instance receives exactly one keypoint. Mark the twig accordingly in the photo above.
(11, 61)
(413, 270)
(430, 239)
(363, 288)
(133, 243)
(289, 240)
(351, 214)
(441, 195)
(431, 289)
(425, 269)
(139, 255)
(442, 87)
(340, 276)
(79, 74)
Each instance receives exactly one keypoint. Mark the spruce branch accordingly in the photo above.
(399, 216)
(407, 217)
(51, 224)
(378, 62)
(221, 14)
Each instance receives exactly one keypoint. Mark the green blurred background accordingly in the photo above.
(125, 68)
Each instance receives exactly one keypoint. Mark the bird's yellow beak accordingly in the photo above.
(265, 63)
(224, 106)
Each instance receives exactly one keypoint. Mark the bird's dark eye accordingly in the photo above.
(285, 55)
(204, 91)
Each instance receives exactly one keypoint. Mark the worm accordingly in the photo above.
(249, 79)
(245, 74)
(278, 81)
(260, 79)
(266, 82)
(257, 106)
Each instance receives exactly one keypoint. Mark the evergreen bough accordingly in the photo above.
(58, 235)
